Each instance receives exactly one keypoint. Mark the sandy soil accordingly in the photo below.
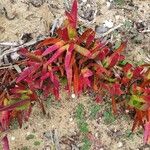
(110, 134)
(23, 17)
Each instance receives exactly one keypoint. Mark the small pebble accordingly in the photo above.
(96, 134)
(28, 133)
(127, 111)
(47, 134)
(108, 5)
(108, 23)
(73, 95)
(120, 144)
(88, 5)
(13, 138)
(115, 130)
(14, 56)
(47, 148)
(117, 17)
(101, 29)
(71, 119)
(147, 148)
(84, 1)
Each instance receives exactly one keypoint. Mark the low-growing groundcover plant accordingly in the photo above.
(87, 63)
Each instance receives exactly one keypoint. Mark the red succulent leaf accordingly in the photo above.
(33, 57)
(28, 71)
(5, 118)
(147, 133)
(86, 72)
(115, 90)
(137, 72)
(74, 12)
(57, 54)
(65, 34)
(97, 49)
(20, 118)
(121, 47)
(53, 48)
(46, 42)
(68, 65)
(23, 51)
(103, 53)
(127, 67)
(114, 105)
(13, 106)
(38, 52)
(86, 82)
(114, 59)
(76, 80)
(55, 82)
(90, 39)
(121, 58)
(45, 76)
(84, 36)
(138, 120)
(72, 16)
(5, 143)
(83, 51)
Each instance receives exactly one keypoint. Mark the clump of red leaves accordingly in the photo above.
(86, 63)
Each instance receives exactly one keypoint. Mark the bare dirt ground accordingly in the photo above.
(18, 17)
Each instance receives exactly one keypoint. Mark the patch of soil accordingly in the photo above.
(111, 133)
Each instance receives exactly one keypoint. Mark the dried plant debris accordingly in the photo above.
(87, 10)
(4, 12)
(37, 3)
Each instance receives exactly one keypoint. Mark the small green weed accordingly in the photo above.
(36, 143)
(94, 110)
(30, 136)
(86, 144)
(108, 117)
(80, 112)
(25, 148)
(128, 134)
(14, 124)
(119, 2)
(83, 125)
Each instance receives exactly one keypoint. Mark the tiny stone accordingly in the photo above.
(73, 95)
(120, 144)
(47, 134)
(71, 119)
(47, 148)
(101, 29)
(88, 5)
(101, 149)
(12, 138)
(15, 56)
(28, 133)
(117, 17)
(115, 130)
(127, 111)
(84, 1)
(108, 23)
(96, 134)
(108, 5)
